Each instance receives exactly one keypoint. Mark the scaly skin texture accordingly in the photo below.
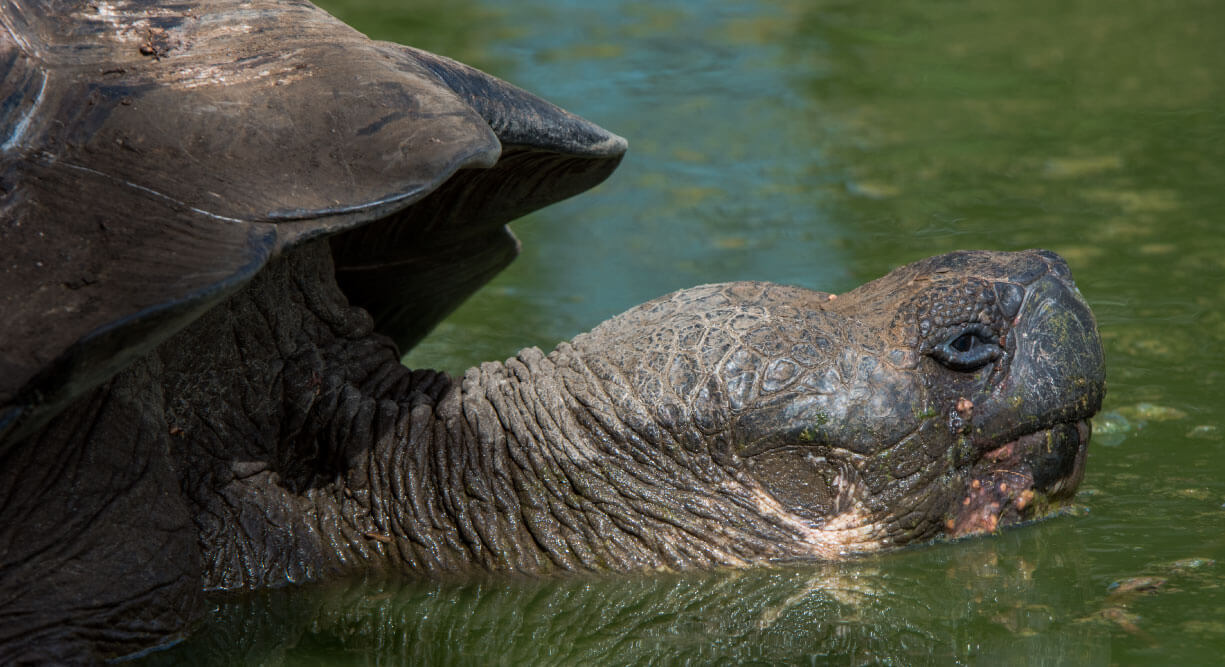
(279, 440)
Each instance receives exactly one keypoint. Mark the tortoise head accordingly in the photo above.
(950, 396)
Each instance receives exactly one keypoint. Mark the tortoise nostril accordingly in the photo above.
(1009, 298)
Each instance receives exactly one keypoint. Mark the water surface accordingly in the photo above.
(822, 144)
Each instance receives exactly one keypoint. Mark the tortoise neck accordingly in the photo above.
(526, 466)
(493, 473)
(535, 465)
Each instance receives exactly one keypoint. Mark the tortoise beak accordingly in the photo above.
(1058, 465)
(1022, 479)
(1057, 372)
(1040, 411)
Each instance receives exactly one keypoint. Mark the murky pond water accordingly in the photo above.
(821, 144)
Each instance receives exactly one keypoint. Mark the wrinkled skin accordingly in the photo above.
(278, 440)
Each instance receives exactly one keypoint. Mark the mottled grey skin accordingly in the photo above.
(278, 440)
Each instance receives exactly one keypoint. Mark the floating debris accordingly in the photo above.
(1139, 585)
(1111, 428)
(1152, 412)
(1184, 564)
(1205, 432)
(1072, 167)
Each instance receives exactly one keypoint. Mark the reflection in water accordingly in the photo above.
(1001, 601)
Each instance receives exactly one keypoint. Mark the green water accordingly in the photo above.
(823, 143)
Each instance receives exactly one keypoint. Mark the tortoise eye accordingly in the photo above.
(969, 349)
(965, 342)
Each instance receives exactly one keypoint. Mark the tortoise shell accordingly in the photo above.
(155, 155)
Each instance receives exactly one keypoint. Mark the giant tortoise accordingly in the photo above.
(224, 220)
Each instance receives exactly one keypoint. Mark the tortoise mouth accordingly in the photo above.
(1022, 479)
